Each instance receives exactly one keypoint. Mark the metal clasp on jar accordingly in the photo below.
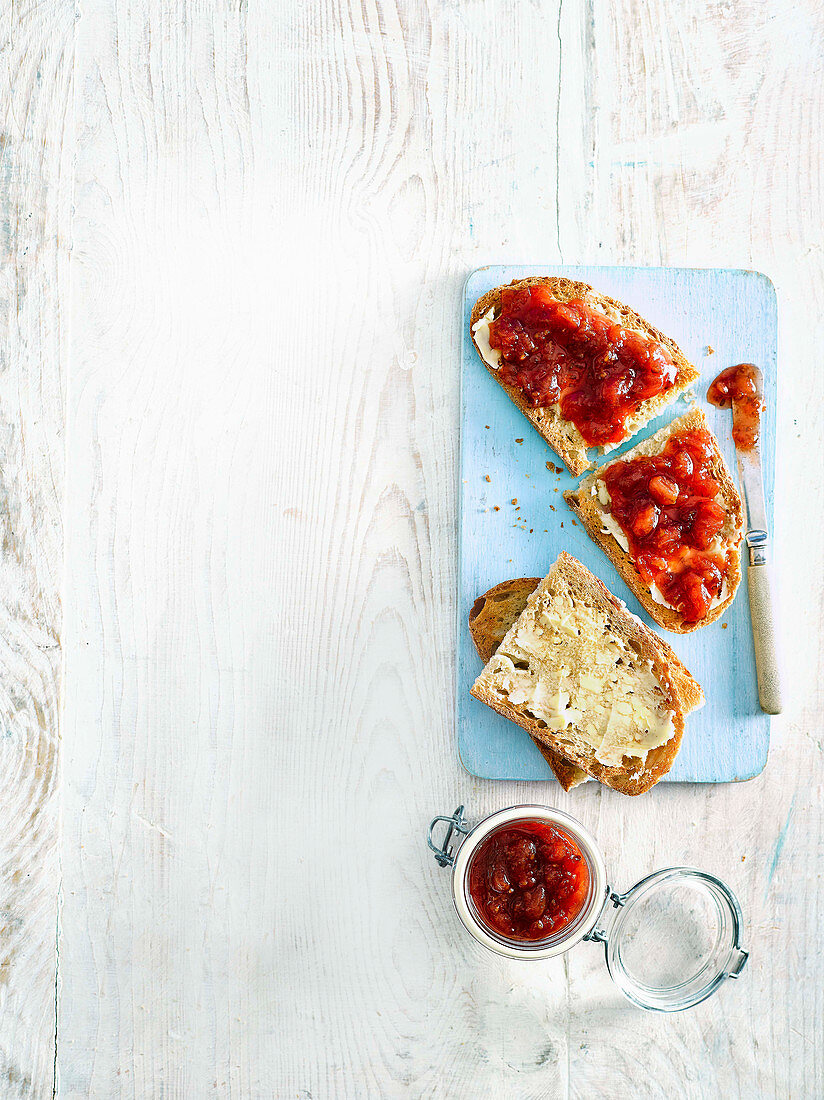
(454, 824)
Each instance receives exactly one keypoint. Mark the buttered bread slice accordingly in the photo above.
(587, 678)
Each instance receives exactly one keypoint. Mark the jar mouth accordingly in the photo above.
(564, 938)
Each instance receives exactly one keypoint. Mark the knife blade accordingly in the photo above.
(751, 480)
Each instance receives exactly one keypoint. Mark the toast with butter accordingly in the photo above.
(685, 569)
(587, 679)
(491, 617)
(620, 347)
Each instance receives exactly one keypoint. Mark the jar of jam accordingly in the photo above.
(529, 882)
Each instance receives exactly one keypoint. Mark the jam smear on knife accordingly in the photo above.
(740, 387)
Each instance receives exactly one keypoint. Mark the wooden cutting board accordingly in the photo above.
(718, 317)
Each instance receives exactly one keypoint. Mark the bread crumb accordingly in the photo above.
(575, 523)
(514, 500)
(488, 478)
(496, 509)
(551, 467)
(519, 440)
(723, 626)
(486, 425)
(562, 523)
(552, 507)
(710, 350)
(530, 530)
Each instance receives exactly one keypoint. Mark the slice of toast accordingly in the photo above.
(562, 435)
(590, 509)
(490, 619)
(585, 677)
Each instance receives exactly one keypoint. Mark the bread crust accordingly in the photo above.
(634, 776)
(490, 620)
(585, 506)
(494, 613)
(562, 436)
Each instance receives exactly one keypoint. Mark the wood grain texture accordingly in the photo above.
(261, 535)
(36, 59)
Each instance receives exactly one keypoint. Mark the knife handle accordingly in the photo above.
(763, 632)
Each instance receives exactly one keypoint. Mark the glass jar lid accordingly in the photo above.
(672, 939)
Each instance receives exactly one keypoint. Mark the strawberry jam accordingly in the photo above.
(666, 505)
(528, 880)
(567, 353)
(740, 386)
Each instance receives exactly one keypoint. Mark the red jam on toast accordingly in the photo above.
(528, 880)
(667, 505)
(568, 353)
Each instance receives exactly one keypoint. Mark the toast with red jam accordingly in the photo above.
(668, 516)
(585, 369)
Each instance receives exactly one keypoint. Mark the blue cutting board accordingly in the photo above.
(732, 312)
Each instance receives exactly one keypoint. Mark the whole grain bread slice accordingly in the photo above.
(490, 619)
(584, 501)
(562, 435)
(680, 692)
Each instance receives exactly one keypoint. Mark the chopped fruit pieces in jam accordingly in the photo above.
(528, 880)
(568, 353)
(666, 505)
(740, 386)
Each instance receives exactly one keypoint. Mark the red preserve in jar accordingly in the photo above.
(528, 880)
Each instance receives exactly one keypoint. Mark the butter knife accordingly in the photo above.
(746, 434)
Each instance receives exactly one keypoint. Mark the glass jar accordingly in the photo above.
(670, 941)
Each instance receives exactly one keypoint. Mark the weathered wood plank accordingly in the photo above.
(275, 211)
(36, 58)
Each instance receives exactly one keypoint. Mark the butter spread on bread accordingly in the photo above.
(563, 665)
(490, 619)
(480, 334)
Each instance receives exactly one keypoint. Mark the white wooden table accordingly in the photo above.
(234, 236)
